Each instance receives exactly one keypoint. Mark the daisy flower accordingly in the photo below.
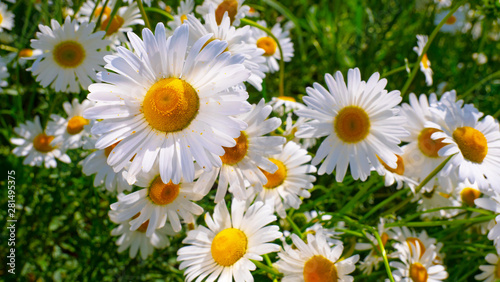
(234, 8)
(315, 261)
(236, 42)
(137, 240)
(285, 104)
(36, 145)
(491, 203)
(71, 52)
(417, 265)
(473, 144)
(71, 130)
(491, 271)
(359, 120)
(3, 75)
(270, 47)
(425, 64)
(157, 203)
(247, 160)
(455, 22)
(185, 8)
(291, 128)
(224, 250)
(409, 237)
(6, 18)
(467, 192)
(163, 102)
(440, 195)
(397, 174)
(96, 163)
(290, 181)
(122, 22)
(252, 13)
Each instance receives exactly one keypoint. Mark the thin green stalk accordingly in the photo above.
(268, 269)
(426, 47)
(9, 48)
(159, 11)
(26, 23)
(93, 10)
(348, 207)
(143, 13)
(384, 202)
(381, 248)
(396, 70)
(98, 23)
(117, 6)
(432, 174)
(477, 85)
(442, 222)
(295, 228)
(415, 215)
(282, 62)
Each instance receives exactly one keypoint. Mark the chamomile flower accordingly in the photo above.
(163, 102)
(236, 39)
(157, 203)
(71, 52)
(3, 74)
(467, 192)
(70, 131)
(247, 160)
(224, 250)
(455, 22)
(397, 175)
(425, 64)
(271, 52)
(440, 195)
(6, 18)
(96, 163)
(185, 8)
(491, 271)
(137, 240)
(122, 22)
(417, 264)
(359, 120)
(36, 145)
(409, 237)
(234, 8)
(473, 144)
(291, 128)
(290, 181)
(285, 104)
(252, 13)
(492, 202)
(315, 261)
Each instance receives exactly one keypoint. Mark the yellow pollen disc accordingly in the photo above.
(320, 269)
(116, 22)
(1, 18)
(451, 20)
(497, 270)
(468, 195)
(229, 6)
(24, 53)
(418, 273)
(415, 241)
(183, 18)
(384, 238)
(168, 9)
(76, 124)
(161, 193)
(108, 149)
(352, 124)
(170, 104)
(400, 169)
(268, 44)
(425, 61)
(428, 146)
(229, 246)
(68, 54)
(235, 154)
(287, 98)
(471, 143)
(277, 178)
(252, 10)
(42, 143)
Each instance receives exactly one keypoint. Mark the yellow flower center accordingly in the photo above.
(471, 143)
(427, 145)
(1, 18)
(418, 273)
(415, 241)
(42, 143)
(68, 54)
(161, 193)
(168, 9)
(451, 20)
(116, 22)
(183, 18)
(497, 270)
(287, 98)
(320, 269)
(143, 226)
(425, 61)
(400, 169)
(24, 53)
(252, 10)
(110, 148)
(229, 246)
(268, 44)
(229, 6)
(468, 195)
(277, 178)
(170, 104)
(352, 124)
(234, 155)
(76, 124)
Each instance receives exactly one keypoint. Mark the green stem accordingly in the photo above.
(432, 174)
(143, 13)
(8, 48)
(426, 47)
(159, 11)
(268, 269)
(295, 228)
(384, 202)
(98, 23)
(384, 255)
(282, 62)
(396, 70)
(442, 222)
(475, 86)
(415, 215)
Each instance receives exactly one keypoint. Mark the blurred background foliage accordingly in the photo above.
(63, 231)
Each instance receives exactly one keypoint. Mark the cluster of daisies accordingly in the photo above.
(167, 120)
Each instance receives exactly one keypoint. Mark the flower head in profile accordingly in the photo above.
(359, 120)
(425, 64)
(6, 18)
(233, 8)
